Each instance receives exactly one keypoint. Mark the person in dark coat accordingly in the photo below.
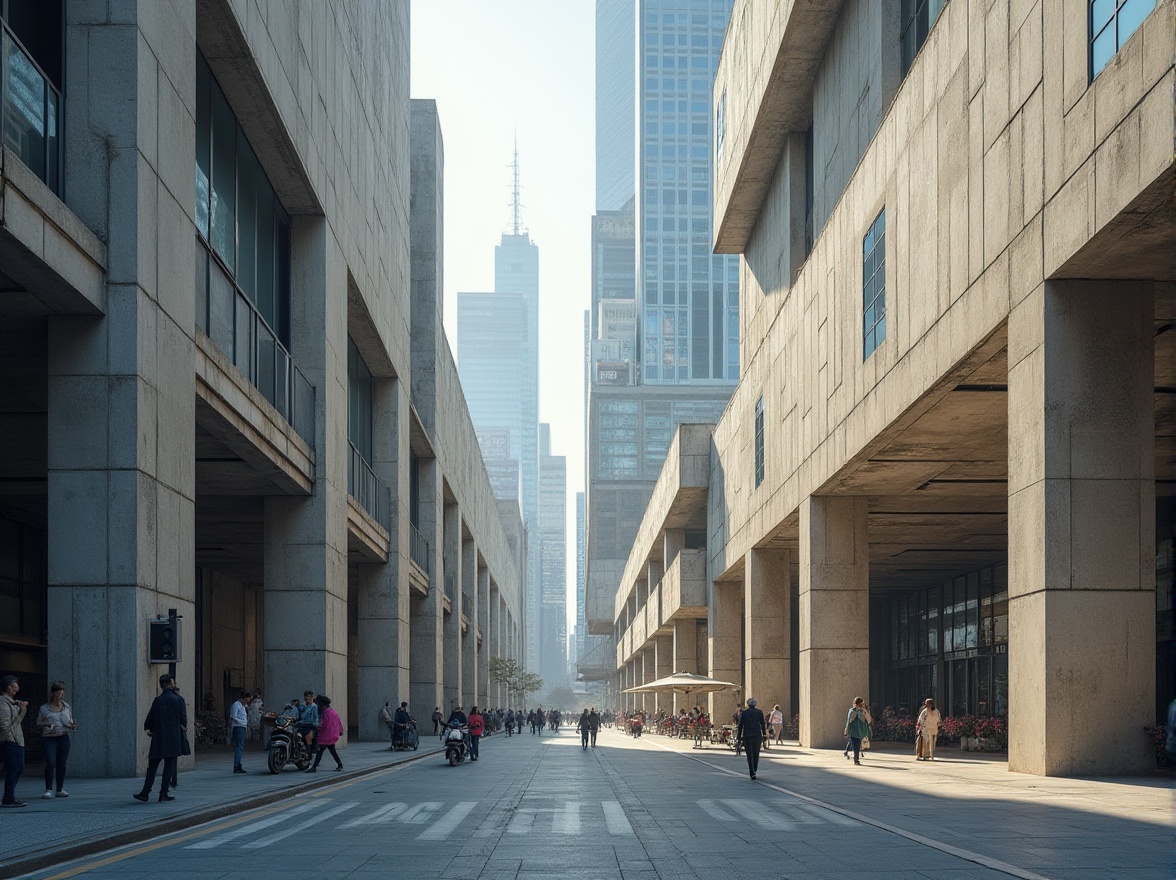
(593, 725)
(166, 724)
(752, 731)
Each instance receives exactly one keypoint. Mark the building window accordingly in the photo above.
(243, 264)
(917, 18)
(759, 441)
(359, 401)
(874, 286)
(1111, 23)
(33, 36)
(720, 127)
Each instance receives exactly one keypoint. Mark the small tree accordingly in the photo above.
(514, 677)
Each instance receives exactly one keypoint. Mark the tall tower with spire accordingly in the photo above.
(489, 349)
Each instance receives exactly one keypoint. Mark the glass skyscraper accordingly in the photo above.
(615, 23)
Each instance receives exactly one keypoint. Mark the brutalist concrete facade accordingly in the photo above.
(165, 468)
(1016, 411)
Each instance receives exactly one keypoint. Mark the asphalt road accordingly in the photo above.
(541, 807)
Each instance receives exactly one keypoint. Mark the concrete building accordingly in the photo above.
(651, 253)
(947, 468)
(224, 384)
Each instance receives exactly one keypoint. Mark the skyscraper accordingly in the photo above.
(553, 555)
(651, 259)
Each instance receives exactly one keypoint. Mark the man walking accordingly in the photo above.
(593, 725)
(238, 727)
(166, 723)
(752, 731)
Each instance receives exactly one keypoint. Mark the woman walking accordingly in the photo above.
(330, 728)
(857, 727)
(776, 720)
(12, 744)
(928, 728)
(477, 723)
(55, 720)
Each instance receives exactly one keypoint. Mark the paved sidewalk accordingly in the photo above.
(100, 813)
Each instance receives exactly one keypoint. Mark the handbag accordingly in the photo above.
(185, 746)
(865, 743)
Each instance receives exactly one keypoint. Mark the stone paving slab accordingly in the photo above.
(100, 812)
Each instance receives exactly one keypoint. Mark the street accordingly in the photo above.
(653, 808)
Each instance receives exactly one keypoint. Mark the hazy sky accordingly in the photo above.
(497, 68)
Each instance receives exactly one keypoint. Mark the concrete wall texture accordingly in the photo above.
(170, 480)
(1026, 204)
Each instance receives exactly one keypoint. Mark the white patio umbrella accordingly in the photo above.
(683, 683)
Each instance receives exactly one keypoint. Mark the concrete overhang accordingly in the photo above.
(57, 263)
(678, 501)
(761, 112)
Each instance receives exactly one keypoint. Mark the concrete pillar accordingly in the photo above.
(453, 560)
(426, 629)
(673, 543)
(663, 652)
(383, 589)
(834, 615)
(305, 552)
(485, 603)
(1081, 529)
(767, 658)
(725, 648)
(469, 607)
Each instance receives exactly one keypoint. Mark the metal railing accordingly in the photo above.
(230, 320)
(367, 489)
(32, 112)
(418, 550)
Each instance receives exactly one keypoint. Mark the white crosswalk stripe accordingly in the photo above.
(382, 816)
(251, 828)
(778, 814)
(616, 820)
(443, 827)
(301, 826)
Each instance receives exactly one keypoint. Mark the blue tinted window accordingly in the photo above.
(874, 286)
(1112, 22)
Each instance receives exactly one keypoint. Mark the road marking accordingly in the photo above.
(762, 816)
(301, 826)
(420, 814)
(616, 820)
(827, 815)
(252, 828)
(386, 813)
(930, 843)
(521, 822)
(715, 811)
(567, 820)
(443, 827)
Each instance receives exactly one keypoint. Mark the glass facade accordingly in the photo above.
(23, 558)
(874, 286)
(615, 20)
(1112, 22)
(759, 441)
(917, 18)
(31, 59)
(948, 642)
(688, 297)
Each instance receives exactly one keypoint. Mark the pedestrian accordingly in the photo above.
(928, 728)
(330, 728)
(55, 720)
(584, 725)
(238, 727)
(751, 732)
(776, 720)
(12, 744)
(404, 726)
(166, 723)
(308, 717)
(638, 724)
(857, 727)
(256, 709)
(386, 718)
(477, 728)
(593, 725)
(437, 718)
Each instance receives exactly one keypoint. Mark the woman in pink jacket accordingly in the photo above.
(330, 728)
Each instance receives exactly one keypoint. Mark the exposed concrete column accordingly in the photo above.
(767, 660)
(383, 589)
(725, 650)
(653, 577)
(305, 539)
(452, 559)
(426, 668)
(483, 663)
(834, 615)
(673, 543)
(1081, 529)
(491, 649)
(663, 651)
(685, 649)
(469, 608)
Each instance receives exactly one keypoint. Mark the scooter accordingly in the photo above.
(456, 745)
(287, 746)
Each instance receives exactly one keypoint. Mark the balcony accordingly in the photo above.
(683, 587)
(32, 112)
(418, 553)
(599, 663)
(367, 489)
(231, 321)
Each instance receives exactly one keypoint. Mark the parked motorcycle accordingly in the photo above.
(286, 746)
(456, 744)
(404, 736)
